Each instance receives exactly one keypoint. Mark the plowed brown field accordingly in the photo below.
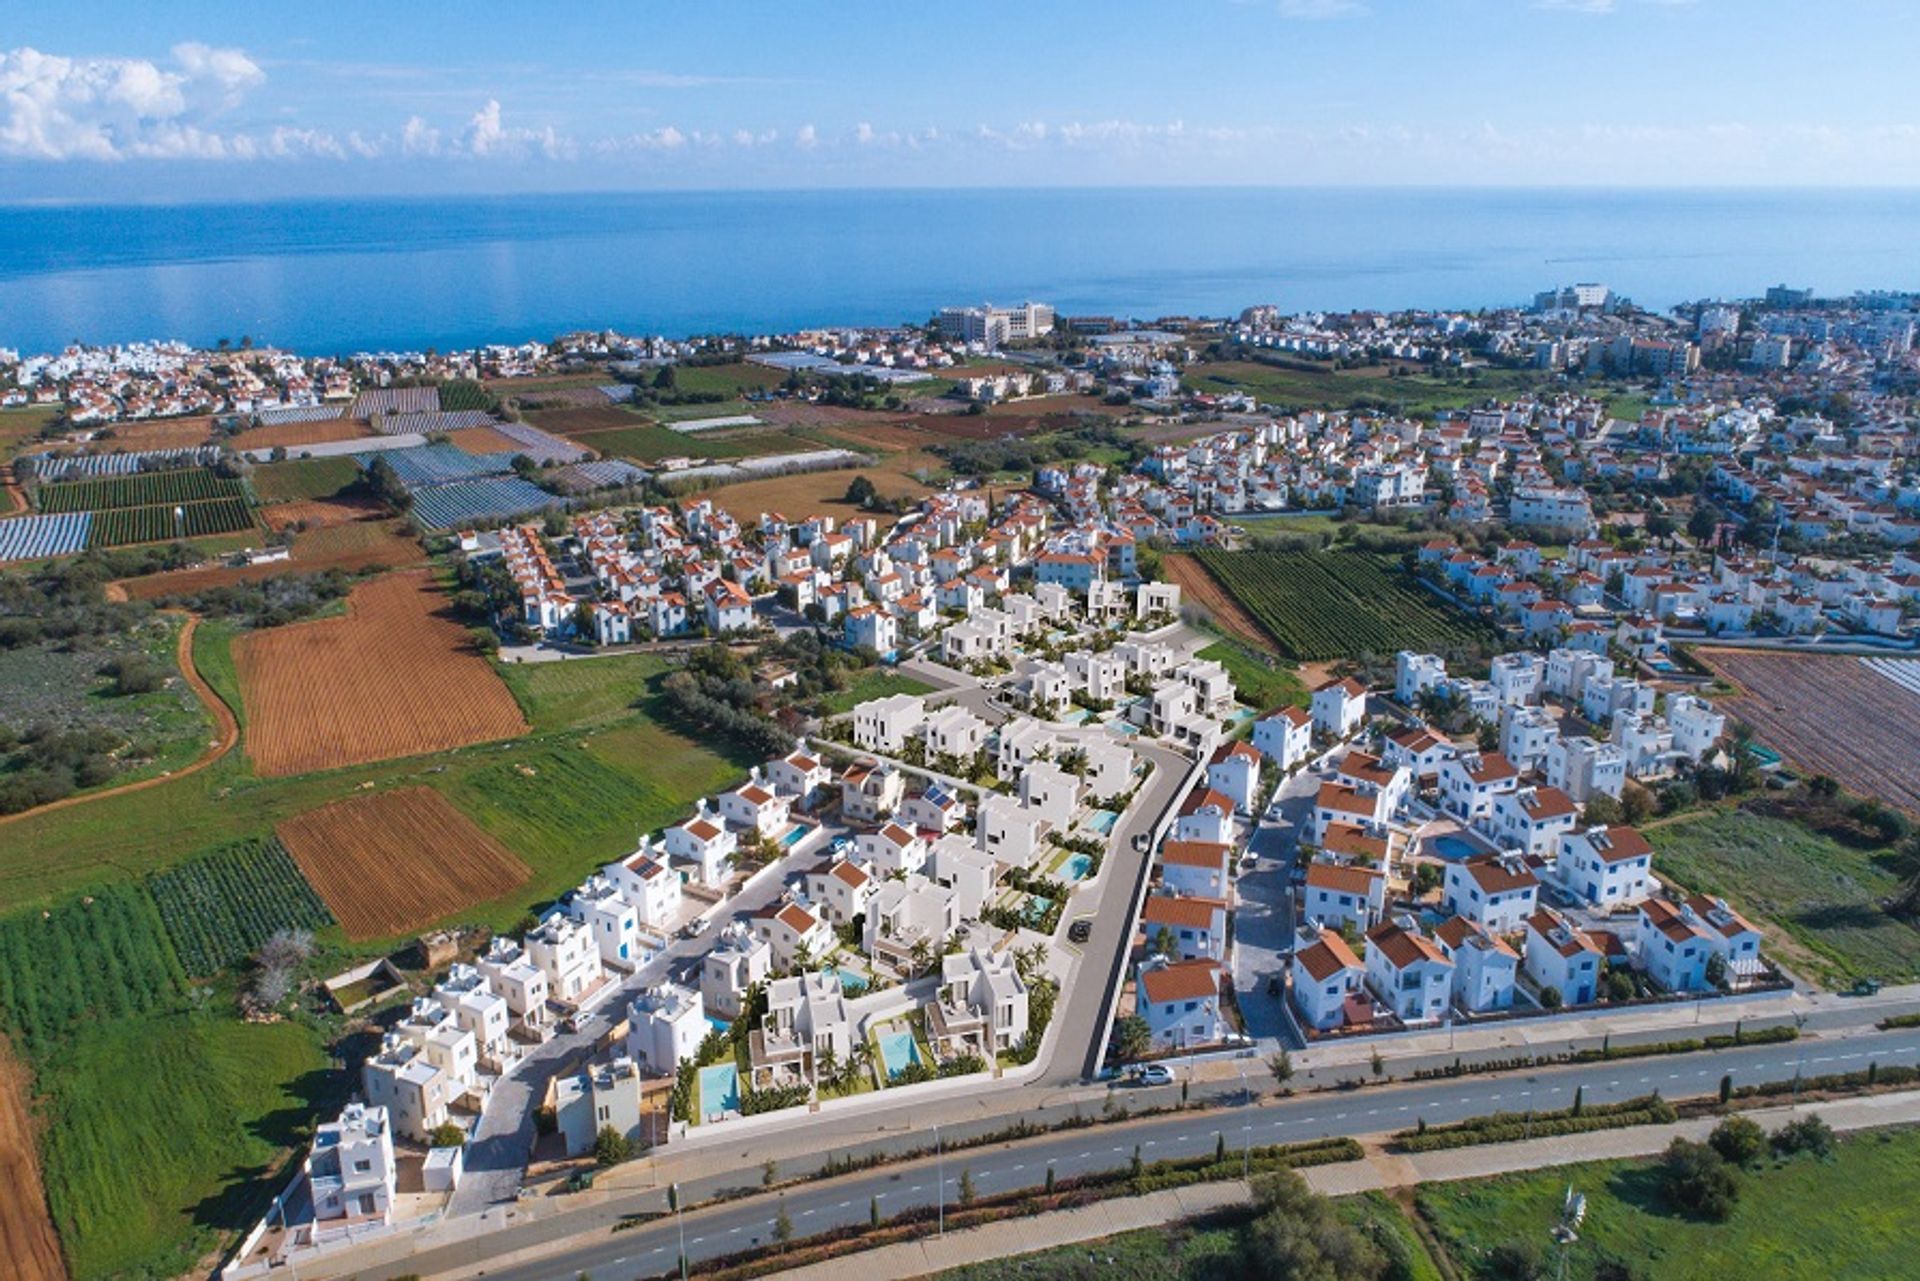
(29, 1250)
(1198, 587)
(392, 862)
(484, 440)
(1828, 714)
(293, 435)
(320, 513)
(356, 544)
(395, 677)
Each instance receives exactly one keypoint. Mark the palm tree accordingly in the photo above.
(826, 1068)
(859, 1057)
(920, 956)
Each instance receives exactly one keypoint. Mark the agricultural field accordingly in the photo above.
(1793, 702)
(1322, 605)
(730, 379)
(1803, 1218)
(615, 431)
(459, 504)
(220, 907)
(396, 677)
(159, 433)
(584, 693)
(142, 1169)
(27, 1240)
(1817, 897)
(457, 394)
(143, 489)
(482, 440)
(305, 478)
(353, 546)
(293, 436)
(1199, 588)
(392, 862)
(123, 526)
(806, 493)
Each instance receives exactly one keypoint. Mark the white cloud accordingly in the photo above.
(806, 138)
(57, 108)
(487, 137)
(419, 138)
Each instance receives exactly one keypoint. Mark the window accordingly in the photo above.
(362, 1167)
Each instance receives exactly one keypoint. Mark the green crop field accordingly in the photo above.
(729, 379)
(583, 691)
(1415, 393)
(122, 526)
(305, 478)
(1837, 1220)
(146, 489)
(465, 393)
(218, 908)
(1322, 605)
(1822, 895)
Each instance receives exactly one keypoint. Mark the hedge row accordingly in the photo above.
(1766, 1036)
(1506, 1127)
(1893, 1074)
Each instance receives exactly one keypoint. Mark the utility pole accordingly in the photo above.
(674, 1191)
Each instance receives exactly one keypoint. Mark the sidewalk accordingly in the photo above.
(1378, 1172)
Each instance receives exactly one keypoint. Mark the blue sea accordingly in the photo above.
(353, 275)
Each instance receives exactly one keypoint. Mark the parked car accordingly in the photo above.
(1080, 931)
(1155, 1074)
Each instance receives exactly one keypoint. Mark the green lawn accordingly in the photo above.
(164, 1130)
(1822, 894)
(582, 691)
(1262, 682)
(877, 682)
(1839, 1221)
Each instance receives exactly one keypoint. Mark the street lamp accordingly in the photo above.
(940, 1180)
(673, 1192)
(1799, 1024)
(1246, 1130)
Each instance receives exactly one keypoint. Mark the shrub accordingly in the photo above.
(610, 1147)
(447, 1135)
(1694, 1179)
(1807, 1134)
(1739, 1140)
(1518, 1259)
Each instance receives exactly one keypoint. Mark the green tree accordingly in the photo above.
(1297, 1234)
(447, 1134)
(782, 1226)
(966, 1189)
(1281, 1066)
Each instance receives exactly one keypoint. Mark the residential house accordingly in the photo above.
(665, 1025)
(981, 1007)
(350, 1172)
(1496, 892)
(794, 933)
(870, 790)
(1606, 866)
(1202, 868)
(738, 959)
(1234, 772)
(1284, 736)
(1009, 831)
(1333, 895)
(1180, 1001)
(1325, 976)
(1484, 965)
(1560, 957)
(1408, 974)
(1672, 944)
(568, 954)
(1532, 820)
(1190, 926)
(1339, 708)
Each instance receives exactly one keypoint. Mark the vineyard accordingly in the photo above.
(145, 489)
(1323, 605)
(220, 907)
(396, 677)
(122, 525)
(396, 861)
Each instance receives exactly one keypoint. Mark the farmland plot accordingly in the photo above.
(1795, 702)
(395, 677)
(1321, 605)
(393, 862)
(218, 908)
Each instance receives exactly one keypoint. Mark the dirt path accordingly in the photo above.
(29, 1249)
(226, 730)
(16, 497)
(1200, 588)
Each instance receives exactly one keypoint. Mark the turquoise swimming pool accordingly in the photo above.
(1454, 848)
(898, 1052)
(1076, 868)
(850, 983)
(1102, 821)
(719, 1024)
(719, 1089)
(793, 836)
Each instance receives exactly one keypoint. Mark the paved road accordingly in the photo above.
(653, 1247)
(496, 1158)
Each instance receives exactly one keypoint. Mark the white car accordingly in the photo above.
(1155, 1074)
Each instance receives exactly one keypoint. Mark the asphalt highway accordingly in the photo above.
(653, 1247)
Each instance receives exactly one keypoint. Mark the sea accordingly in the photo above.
(343, 276)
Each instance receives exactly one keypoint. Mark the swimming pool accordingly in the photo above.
(898, 1052)
(1077, 867)
(793, 837)
(1454, 848)
(1037, 908)
(719, 1089)
(719, 1024)
(1102, 821)
(850, 983)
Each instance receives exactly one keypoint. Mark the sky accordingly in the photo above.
(193, 99)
